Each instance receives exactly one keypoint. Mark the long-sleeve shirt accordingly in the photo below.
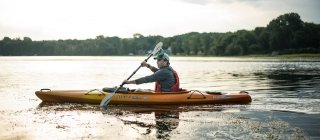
(164, 76)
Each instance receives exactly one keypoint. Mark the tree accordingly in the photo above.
(286, 33)
(283, 29)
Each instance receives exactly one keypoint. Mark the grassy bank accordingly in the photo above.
(287, 57)
(303, 55)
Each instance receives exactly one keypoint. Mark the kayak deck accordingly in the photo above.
(184, 97)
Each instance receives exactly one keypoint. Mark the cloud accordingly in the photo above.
(207, 2)
(81, 19)
(200, 2)
(308, 9)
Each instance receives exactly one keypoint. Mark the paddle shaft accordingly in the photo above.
(131, 75)
(107, 99)
(137, 69)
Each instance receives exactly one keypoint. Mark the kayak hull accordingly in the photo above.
(192, 97)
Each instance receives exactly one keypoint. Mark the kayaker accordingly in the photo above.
(166, 78)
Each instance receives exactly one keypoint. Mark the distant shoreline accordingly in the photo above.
(247, 58)
(251, 55)
(304, 55)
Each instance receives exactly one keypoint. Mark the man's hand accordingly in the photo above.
(145, 64)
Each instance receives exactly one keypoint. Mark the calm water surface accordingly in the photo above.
(285, 102)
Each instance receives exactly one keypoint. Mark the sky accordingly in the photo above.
(85, 19)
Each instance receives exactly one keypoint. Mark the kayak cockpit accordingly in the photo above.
(140, 91)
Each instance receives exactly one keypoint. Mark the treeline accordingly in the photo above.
(285, 34)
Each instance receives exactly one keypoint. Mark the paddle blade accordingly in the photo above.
(105, 101)
(157, 48)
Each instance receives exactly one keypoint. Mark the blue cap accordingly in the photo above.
(162, 56)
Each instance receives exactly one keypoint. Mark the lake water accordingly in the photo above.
(285, 105)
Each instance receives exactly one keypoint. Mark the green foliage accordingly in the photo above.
(285, 34)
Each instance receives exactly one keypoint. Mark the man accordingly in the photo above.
(166, 78)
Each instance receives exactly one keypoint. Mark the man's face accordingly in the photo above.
(161, 63)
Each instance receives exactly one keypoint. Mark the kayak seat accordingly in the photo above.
(112, 89)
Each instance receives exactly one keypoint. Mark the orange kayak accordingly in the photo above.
(131, 97)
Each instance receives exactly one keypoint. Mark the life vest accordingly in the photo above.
(175, 87)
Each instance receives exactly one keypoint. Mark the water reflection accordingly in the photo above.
(157, 121)
(165, 118)
(168, 122)
(165, 122)
(287, 86)
(293, 80)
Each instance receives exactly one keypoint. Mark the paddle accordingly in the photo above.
(107, 99)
